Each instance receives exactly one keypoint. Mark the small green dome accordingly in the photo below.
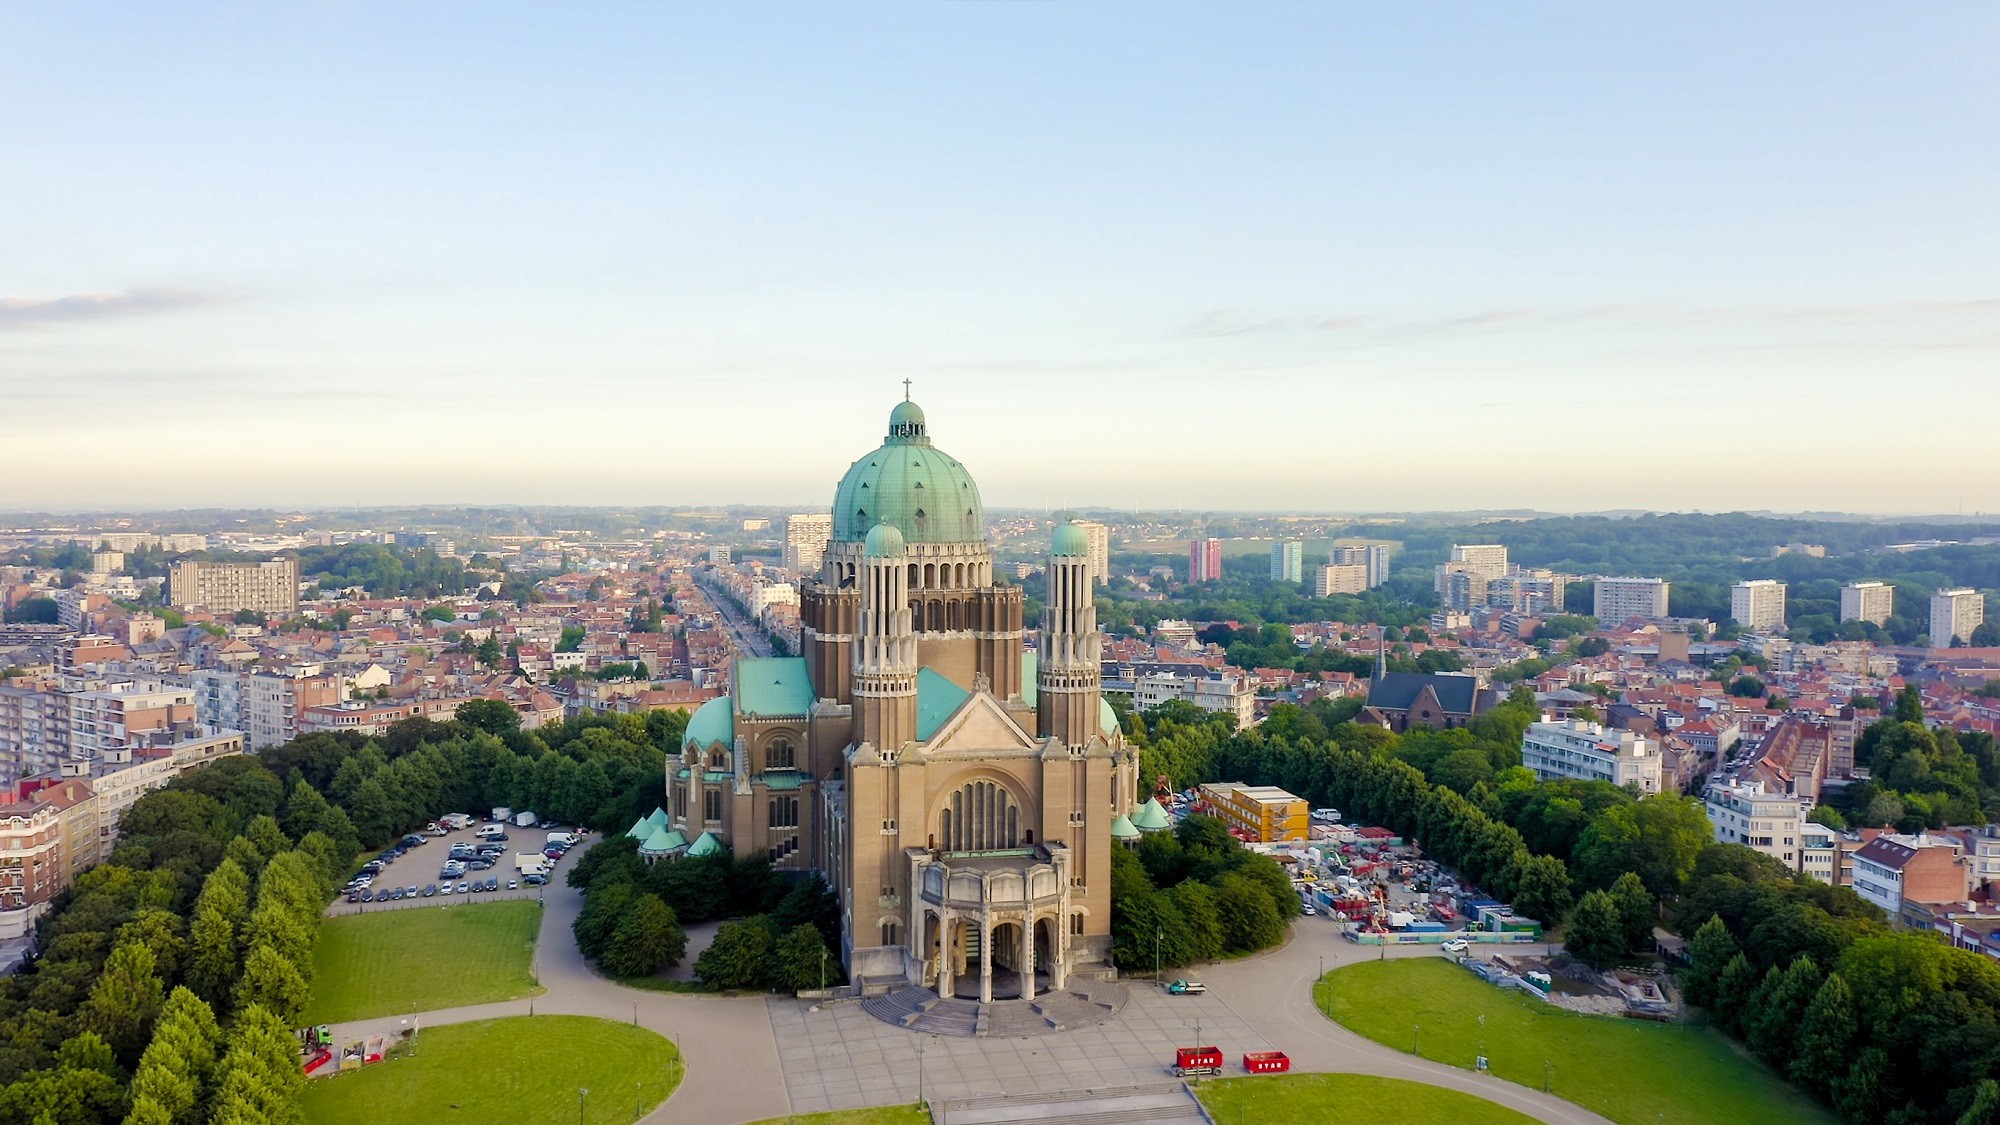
(1150, 817)
(713, 722)
(1121, 829)
(884, 542)
(1070, 541)
(909, 483)
(705, 844)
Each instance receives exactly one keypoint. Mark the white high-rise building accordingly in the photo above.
(1619, 600)
(806, 537)
(225, 587)
(1758, 605)
(1867, 601)
(1488, 560)
(1954, 615)
(1340, 578)
(1374, 556)
(1100, 550)
(1589, 752)
(1288, 561)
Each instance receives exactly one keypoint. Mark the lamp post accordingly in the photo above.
(582, 1092)
(1318, 980)
(1156, 955)
(920, 1071)
(1416, 1032)
(822, 968)
(1482, 1033)
(1545, 1076)
(635, 1013)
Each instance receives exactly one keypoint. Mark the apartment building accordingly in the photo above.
(1867, 601)
(263, 587)
(150, 768)
(1288, 560)
(806, 537)
(274, 702)
(1758, 605)
(1921, 868)
(1618, 600)
(107, 725)
(1229, 695)
(1265, 813)
(1340, 578)
(1099, 538)
(1954, 615)
(1588, 751)
(34, 731)
(1464, 588)
(1488, 559)
(1528, 591)
(1204, 560)
(1745, 812)
(1372, 556)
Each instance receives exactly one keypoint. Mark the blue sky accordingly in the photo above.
(1304, 256)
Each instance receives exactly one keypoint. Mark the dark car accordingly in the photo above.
(354, 896)
(397, 893)
(430, 889)
(493, 884)
(535, 880)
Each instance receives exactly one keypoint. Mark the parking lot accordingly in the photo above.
(418, 867)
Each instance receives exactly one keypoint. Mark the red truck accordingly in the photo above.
(1266, 1062)
(1197, 1060)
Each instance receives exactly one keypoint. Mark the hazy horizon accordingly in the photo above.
(1290, 258)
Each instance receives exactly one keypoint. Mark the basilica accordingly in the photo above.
(959, 789)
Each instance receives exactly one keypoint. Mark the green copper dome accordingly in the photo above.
(911, 485)
(1070, 541)
(884, 542)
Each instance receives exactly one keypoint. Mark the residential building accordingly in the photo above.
(1443, 701)
(270, 588)
(1373, 556)
(1340, 578)
(1758, 605)
(1745, 812)
(719, 555)
(806, 536)
(1265, 813)
(1954, 615)
(1100, 549)
(1174, 631)
(1867, 601)
(1819, 852)
(1204, 560)
(1527, 591)
(150, 768)
(31, 863)
(1487, 559)
(1464, 588)
(1921, 868)
(1587, 751)
(1618, 600)
(1288, 560)
(107, 726)
(275, 702)
(1225, 695)
(34, 731)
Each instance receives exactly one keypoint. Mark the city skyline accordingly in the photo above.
(316, 257)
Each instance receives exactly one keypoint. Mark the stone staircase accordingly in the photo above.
(1081, 1004)
(1166, 1103)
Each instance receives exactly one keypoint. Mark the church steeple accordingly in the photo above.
(1071, 647)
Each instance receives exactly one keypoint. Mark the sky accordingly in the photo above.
(1320, 257)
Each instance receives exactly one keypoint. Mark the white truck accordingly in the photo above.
(524, 818)
(562, 839)
(455, 821)
(533, 863)
(501, 812)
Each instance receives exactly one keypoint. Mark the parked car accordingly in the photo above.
(536, 880)
(493, 884)
(513, 884)
(397, 893)
(1456, 945)
(1187, 988)
(354, 896)
(430, 889)
(463, 889)
(1310, 909)
(444, 888)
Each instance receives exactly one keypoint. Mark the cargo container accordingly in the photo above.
(1425, 927)
(1197, 1060)
(1267, 1062)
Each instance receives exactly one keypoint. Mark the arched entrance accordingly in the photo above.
(1013, 963)
(1048, 950)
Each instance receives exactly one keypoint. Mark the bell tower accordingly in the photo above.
(1071, 648)
(885, 645)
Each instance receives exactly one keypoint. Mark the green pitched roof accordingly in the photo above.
(922, 491)
(658, 817)
(1121, 829)
(784, 779)
(660, 842)
(1150, 817)
(937, 698)
(676, 841)
(713, 722)
(706, 844)
(641, 829)
(771, 685)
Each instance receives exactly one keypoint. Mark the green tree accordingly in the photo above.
(1985, 1106)
(1732, 993)
(1910, 705)
(1826, 1036)
(1771, 1026)
(494, 716)
(177, 1071)
(264, 832)
(305, 809)
(1708, 954)
(260, 1081)
(1250, 919)
(1201, 911)
(1636, 911)
(802, 961)
(212, 956)
(274, 983)
(739, 956)
(647, 939)
(1542, 888)
(1596, 933)
(125, 999)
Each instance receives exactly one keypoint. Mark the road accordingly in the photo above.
(750, 638)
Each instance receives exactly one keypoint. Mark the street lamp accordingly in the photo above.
(822, 968)
(1545, 1076)
(1156, 955)
(1416, 1030)
(582, 1092)
(920, 1071)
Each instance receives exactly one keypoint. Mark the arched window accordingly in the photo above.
(779, 755)
(711, 801)
(892, 933)
(981, 816)
(784, 812)
(937, 617)
(951, 617)
(930, 575)
(716, 761)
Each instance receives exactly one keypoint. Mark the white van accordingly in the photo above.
(1326, 816)
(491, 831)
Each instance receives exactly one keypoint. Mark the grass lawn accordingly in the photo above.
(524, 1068)
(1628, 1070)
(880, 1115)
(422, 958)
(1346, 1097)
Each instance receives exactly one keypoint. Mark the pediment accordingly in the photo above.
(980, 725)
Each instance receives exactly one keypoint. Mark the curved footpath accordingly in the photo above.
(731, 1055)
(729, 1050)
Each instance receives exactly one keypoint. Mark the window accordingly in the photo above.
(981, 816)
(888, 828)
(784, 812)
(891, 933)
(711, 804)
(779, 755)
(1076, 924)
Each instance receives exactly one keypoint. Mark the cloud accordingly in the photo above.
(16, 312)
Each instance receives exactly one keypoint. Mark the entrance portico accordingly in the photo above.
(990, 907)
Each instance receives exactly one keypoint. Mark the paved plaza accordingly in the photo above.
(840, 1057)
